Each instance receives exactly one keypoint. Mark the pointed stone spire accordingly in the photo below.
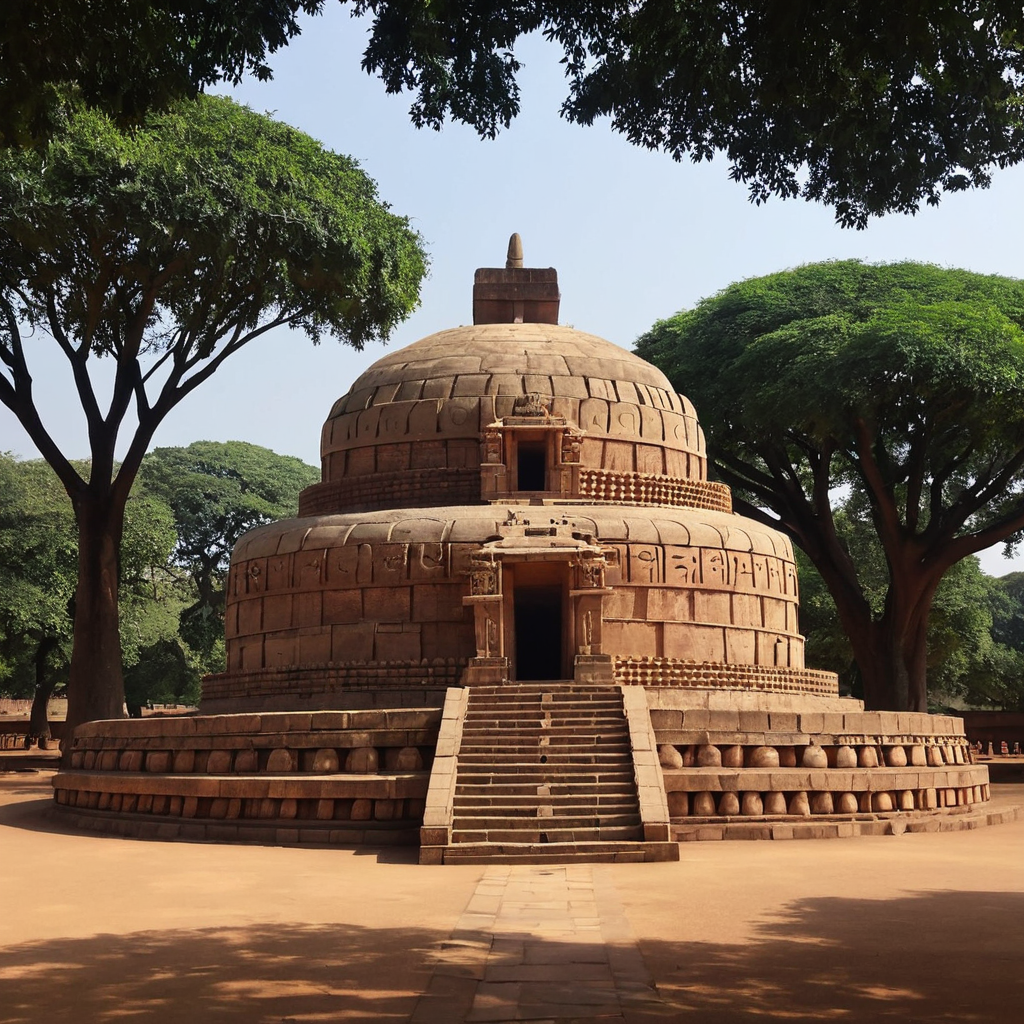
(515, 252)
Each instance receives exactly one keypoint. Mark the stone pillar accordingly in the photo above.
(491, 663)
(590, 664)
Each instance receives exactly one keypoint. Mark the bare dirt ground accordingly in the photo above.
(924, 927)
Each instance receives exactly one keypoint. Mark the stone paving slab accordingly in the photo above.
(541, 943)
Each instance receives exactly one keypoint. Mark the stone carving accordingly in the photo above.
(484, 579)
(493, 447)
(532, 406)
(570, 449)
(490, 637)
(590, 573)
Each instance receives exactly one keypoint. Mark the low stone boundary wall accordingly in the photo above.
(328, 777)
(1003, 729)
(742, 766)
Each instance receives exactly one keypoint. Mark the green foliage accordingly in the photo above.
(129, 56)
(871, 108)
(166, 248)
(218, 491)
(38, 569)
(900, 387)
(868, 107)
(904, 370)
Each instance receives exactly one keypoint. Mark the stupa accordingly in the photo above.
(517, 621)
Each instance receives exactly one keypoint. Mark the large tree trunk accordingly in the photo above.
(892, 651)
(95, 680)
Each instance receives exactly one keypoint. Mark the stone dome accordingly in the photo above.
(421, 425)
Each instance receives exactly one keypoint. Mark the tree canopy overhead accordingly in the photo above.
(903, 383)
(166, 249)
(868, 107)
(129, 56)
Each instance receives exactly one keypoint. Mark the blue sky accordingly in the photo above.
(634, 236)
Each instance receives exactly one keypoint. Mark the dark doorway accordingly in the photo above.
(538, 626)
(531, 466)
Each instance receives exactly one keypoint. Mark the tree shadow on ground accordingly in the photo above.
(939, 956)
(287, 972)
(929, 956)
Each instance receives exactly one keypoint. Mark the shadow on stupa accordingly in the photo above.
(932, 956)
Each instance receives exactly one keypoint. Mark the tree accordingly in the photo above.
(38, 570)
(218, 491)
(129, 56)
(904, 383)
(166, 249)
(868, 107)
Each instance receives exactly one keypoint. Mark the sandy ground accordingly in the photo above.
(918, 927)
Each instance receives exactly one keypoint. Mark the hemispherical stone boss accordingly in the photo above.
(882, 802)
(669, 756)
(362, 760)
(799, 805)
(704, 804)
(896, 757)
(728, 805)
(846, 803)
(774, 802)
(763, 757)
(678, 804)
(751, 805)
(709, 756)
(867, 757)
(821, 803)
(846, 757)
(732, 756)
(814, 756)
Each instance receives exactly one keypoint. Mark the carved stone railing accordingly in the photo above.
(650, 489)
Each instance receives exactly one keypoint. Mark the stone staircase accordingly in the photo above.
(545, 773)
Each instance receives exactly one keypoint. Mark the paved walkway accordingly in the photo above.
(923, 928)
(541, 943)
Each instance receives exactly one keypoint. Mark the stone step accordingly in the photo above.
(544, 744)
(548, 755)
(561, 722)
(559, 853)
(541, 834)
(517, 807)
(544, 823)
(532, 775)
(500, 708)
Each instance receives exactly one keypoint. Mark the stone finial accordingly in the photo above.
(515, 252)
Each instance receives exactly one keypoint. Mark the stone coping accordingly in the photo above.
(263, 723)
(685, 721)
(650, 787)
